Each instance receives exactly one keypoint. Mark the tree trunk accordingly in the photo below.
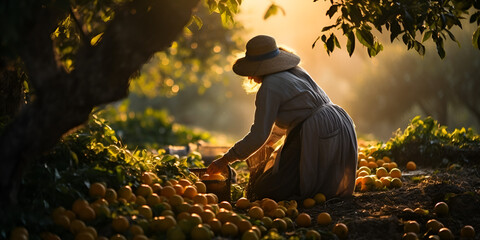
(101, 75)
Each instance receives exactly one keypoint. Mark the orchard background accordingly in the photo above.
(94, 94)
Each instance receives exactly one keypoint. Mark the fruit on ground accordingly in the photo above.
(341, 230)
(324, 219)
(313, 234)
(467, 232)
(319, 198)
(441, 209)
(229, 229)
(255, 212)
(97, 190)
(395, 173)
(434, 225)
(242, 203)
(120, 223)
(303, 220)
(411, 226)
(409, 236)
(308, 203)
(445, 234)
(411, 166)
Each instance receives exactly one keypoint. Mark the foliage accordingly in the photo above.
(90, 154)
(151, 129)
(427, 142)
(414, 21)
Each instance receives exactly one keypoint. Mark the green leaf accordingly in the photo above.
(273, 10)
(335, 40)
(328, 27)
(212, 5)
(476, 39)
(365, 37)
(330, 44)
(474, 17)
(332, 10)
(440, 47)
(452, 37)
(427, 35)
(419, 48)
(395, 30)
(350, 43)
(198, 21)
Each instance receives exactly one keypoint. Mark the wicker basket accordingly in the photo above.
(217, 187)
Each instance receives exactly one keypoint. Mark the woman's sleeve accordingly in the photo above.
(267, 103)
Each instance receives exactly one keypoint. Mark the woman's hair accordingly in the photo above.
(250, 86)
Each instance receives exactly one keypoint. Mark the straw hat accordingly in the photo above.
(263, 57)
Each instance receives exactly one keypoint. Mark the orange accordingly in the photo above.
(308, 203)
(303, 220)
(362, 173)
(91, 230)
(139, 237)
(125, 192)
(162, 223)
(226, 205)
(19, 233)
(154, 199)
(97, 190)
(409, 236)
(62, 220)
(243, 225)
(190, 192)
(434, 225)
(381, 172)
(441, 209)
(140, 200)
(378, 184)
(267, 222)
(324, 219)
(184, 182)
(87, 214)
(118, 237)
(279, 224)
(49, 236)
(179, 189)
(147, 178)
(341, 230)
(217, 177)
(207, 215)
(144, 190)
(313, 234)
(77, 226)
(216, 225)
(362, 163)
(411, 166)
(229, 229)
(196, 208)
(380, 162)
(277, 213)
(467, 231)
(319, 198)
(79, 205)
(242, 203)
(110, 195)
(120, 224)
(292, 213)
(386, 159)
(395, 173)
(201, 187)
(173, 181)
(145, 211)
(396, 183)
(168, 191)
(156, 187)
(200, 199)
(371, 159)
(167, 212)
(372, 165)
(200, 232)
(386, 181)
(175, 200)
(411, 226)
(393, 165)
(445, 234)
(84, 236)
(136, 229)
(250, 235)
(255, 212)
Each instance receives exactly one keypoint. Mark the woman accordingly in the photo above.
(320, 151)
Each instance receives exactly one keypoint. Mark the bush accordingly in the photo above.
(427, 142)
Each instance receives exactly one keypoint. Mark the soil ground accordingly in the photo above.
(380, 214)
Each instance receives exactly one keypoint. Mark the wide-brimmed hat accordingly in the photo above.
(264, 57)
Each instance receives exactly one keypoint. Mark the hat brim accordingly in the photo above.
(283, 61)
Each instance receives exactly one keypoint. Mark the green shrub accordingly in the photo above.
(427, 142)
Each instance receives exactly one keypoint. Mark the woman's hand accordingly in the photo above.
(218, 165)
